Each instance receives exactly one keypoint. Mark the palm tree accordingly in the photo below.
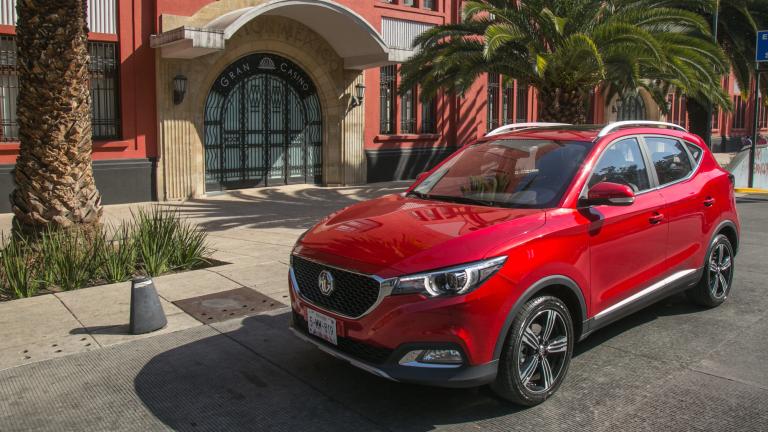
(565, 48)
(738, 23)
(54, 176)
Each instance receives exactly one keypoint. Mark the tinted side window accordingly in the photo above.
(695, 151)
(669, 158)
(622, 163)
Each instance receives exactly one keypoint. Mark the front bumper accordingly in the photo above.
(456, 377)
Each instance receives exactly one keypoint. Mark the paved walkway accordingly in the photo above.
(669, 367)
(253, 231)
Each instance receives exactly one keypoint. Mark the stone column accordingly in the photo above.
(353, 129)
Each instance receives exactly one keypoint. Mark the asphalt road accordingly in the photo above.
(670, 367)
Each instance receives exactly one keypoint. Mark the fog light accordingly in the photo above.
(441, 356)
(432, 357)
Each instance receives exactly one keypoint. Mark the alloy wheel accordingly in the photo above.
(543, 350)
(720, 270)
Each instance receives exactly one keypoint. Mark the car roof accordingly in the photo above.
(591, 133)
(554, 133)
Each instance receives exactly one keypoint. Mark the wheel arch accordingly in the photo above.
(560, 286)
(728, 229)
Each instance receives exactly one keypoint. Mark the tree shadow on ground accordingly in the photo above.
(278, 207)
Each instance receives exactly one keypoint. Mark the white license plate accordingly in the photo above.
(322, 326)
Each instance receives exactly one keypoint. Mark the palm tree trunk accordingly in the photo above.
(698, 120)
(54, 174)
(562, 106)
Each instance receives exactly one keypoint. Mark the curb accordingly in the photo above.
(751, 191)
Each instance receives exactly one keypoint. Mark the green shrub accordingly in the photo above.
(165, 242)
(71, 258)
(18, 279)
(154, 242)
(116, 252)
(190, 247)
(153, 235)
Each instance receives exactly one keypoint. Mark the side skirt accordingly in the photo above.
(642, 299)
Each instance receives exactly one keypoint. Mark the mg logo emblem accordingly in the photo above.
(325, 282)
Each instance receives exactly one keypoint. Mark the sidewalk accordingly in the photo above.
(253, 231)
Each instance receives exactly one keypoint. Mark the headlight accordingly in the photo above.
(452, 281)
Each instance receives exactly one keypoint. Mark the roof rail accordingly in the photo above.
(514, 126)
(620, 124)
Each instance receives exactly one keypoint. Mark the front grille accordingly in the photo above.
(353, 293)
(353, 348)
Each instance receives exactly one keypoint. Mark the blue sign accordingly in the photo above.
(762, 46)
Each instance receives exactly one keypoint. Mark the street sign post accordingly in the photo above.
(761, 56)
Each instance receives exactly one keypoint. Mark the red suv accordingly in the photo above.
(493, 264)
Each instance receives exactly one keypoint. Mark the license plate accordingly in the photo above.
(322, 326)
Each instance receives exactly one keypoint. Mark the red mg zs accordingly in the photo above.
(492, 265)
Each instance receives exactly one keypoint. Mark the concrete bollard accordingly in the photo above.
(146, 311)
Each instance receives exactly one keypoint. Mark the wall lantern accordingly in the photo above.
(357, 99)
(179, 89)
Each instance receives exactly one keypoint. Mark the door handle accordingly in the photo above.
(656, 218)
(709, 202)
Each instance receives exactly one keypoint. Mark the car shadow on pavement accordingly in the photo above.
(258, 373)
(261, 377)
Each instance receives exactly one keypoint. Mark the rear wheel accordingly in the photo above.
(715, 283)
(537, 353)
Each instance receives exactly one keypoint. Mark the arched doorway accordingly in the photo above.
(263, 126)
(631, 107)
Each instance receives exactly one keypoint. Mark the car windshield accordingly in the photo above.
(507, 173)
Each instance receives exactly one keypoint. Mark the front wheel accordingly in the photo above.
(537, 353)
(715, 283)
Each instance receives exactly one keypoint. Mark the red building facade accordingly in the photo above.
(310, 96)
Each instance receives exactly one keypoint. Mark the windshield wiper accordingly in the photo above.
(454, 199)
(417, 194)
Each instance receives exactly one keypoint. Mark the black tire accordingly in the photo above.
(518, 355)
(716, 282)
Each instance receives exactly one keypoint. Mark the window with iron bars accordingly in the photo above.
(387, 99)
(105, 100)
(428, 4)
(739, 112)
(493, 102)
(679, 110)
(762, 118)
(9, 89)
(408, 112)
(508, 103)
(522, 103)
(429, 116)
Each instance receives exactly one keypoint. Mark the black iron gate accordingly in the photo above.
(631, 107)
(263, 126)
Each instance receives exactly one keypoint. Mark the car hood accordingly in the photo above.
(395, 235)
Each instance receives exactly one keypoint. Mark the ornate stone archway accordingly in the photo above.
(181, 129)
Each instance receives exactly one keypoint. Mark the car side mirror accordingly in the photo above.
(613, 194)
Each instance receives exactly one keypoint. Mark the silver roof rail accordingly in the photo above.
(620, 124)
(514, 126)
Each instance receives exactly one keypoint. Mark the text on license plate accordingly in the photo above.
(322, 326)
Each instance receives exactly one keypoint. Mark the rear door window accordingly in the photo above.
(622, 162)
(669, 158)
(695, 151)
